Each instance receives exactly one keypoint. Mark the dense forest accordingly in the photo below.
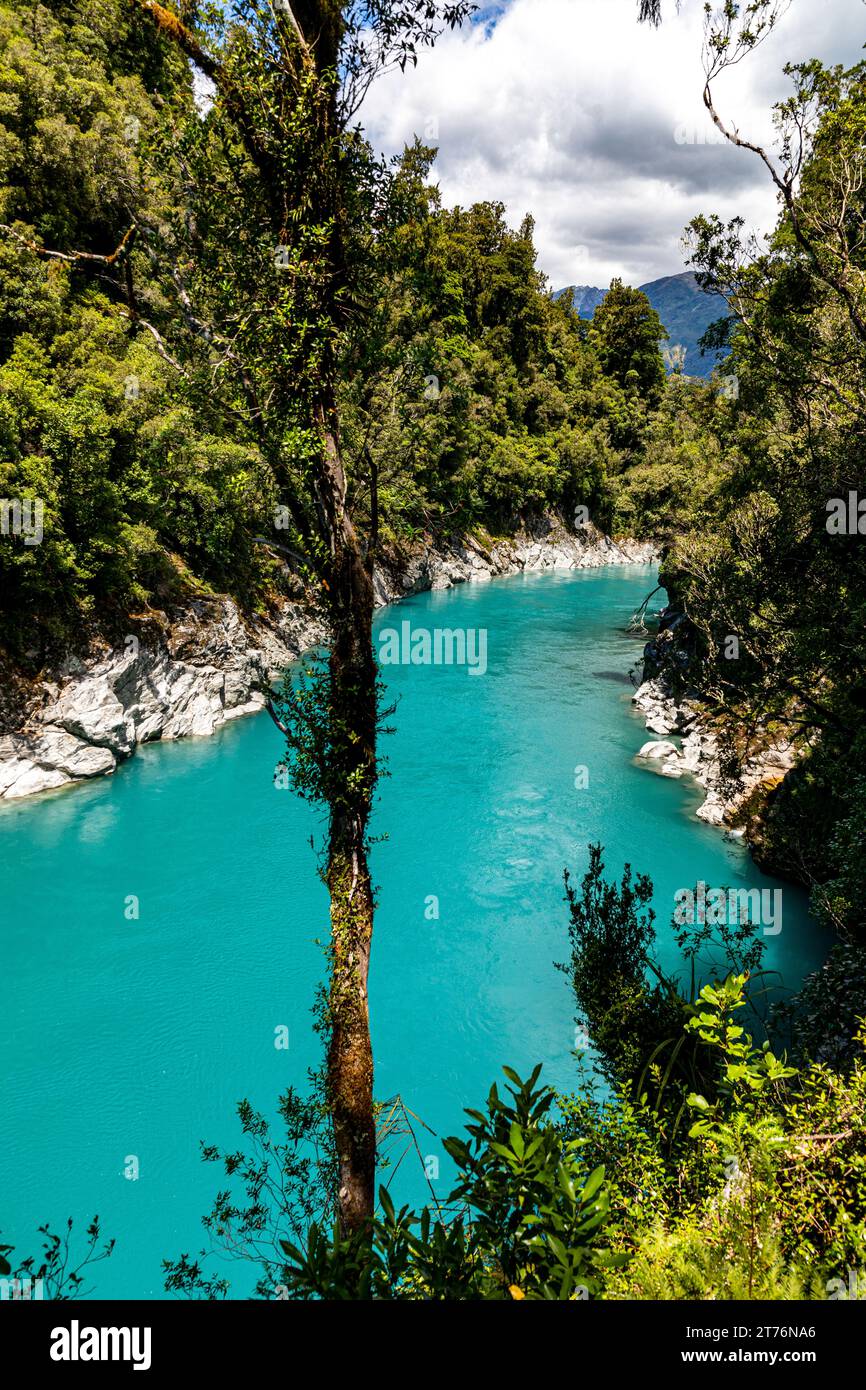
(475, 397)
(153, 328)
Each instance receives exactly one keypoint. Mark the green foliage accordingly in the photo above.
(131, 393)
(319, 759)
(766, 566)
(477, 399)
(822, 1183)
(744, 492)
(522, 1221)
(672, 486)
(532, 1215)
(840, 902)
(163, 403)
(762, 1195)
(57, 1274)
(757, 1203)
(146, 491)
(611, 932)
(701, 1260)
(825, 1011)
(526, 1224)
(824, 1014)
(638, 1018)
(746, 1070)
(626, 332)
(282, 1184)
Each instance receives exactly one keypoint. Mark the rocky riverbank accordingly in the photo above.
(191, 672)
(698, 753)
(689, 745)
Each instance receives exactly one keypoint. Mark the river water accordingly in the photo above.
(128, 1039)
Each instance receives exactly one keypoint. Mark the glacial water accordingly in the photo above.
(133, 1038)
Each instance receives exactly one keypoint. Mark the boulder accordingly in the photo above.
(660, 725)
(90, 710)
(712, 811)
(654, 750)
(35, 779)
(61, 750)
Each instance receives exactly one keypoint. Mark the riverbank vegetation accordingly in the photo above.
(238, 353)
(699, 1164)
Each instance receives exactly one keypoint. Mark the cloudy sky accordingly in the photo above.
(570, 110)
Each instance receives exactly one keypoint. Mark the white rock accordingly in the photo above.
(59, 749)
(782, 757)
(11, 771)
(36, 779)
(91, 711)
(251, 707)
(651, 696)
(659, 725)
(659, 750)
(712, 811)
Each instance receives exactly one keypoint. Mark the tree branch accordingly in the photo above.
(71, 256)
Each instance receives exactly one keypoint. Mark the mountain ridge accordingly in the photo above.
(685, 310)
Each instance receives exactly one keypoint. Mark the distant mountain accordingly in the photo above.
(586, 298)
(683, 307)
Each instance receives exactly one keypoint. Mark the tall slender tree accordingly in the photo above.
(269, 262)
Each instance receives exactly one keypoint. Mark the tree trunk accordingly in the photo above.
(318, 27)
(354, 717)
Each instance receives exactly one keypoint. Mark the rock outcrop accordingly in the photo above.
(206, 668)
(701, 755)
(207, 665)
(547, 546)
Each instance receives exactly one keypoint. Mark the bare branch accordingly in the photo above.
(71, 257)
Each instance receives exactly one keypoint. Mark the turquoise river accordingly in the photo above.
(135, 1038)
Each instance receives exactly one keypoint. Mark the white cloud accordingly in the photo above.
(570, 110)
